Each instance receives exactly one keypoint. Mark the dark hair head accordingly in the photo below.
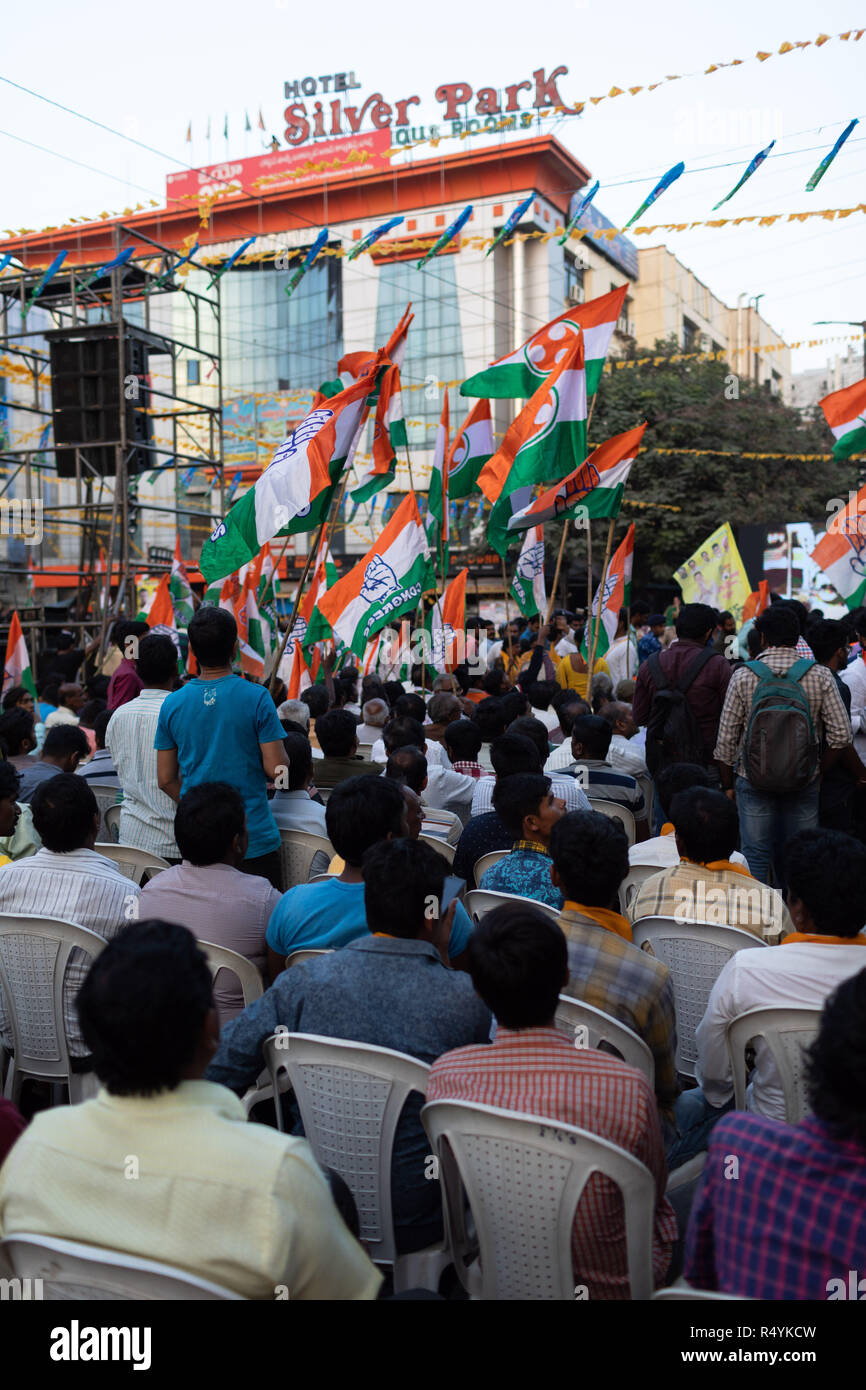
(128, 627)
(836, 1062)
(706, 823)
(679, 777)
(408, 765)
(208, 818)
(143, 1006)
(593, 733)
(63, 810)
(64, 641)
(14, 694)
(100, 724)
(49, 690)
(753, 643)
(530, 727)
(410, 707)
(590, 854)
(337, 732)
(779, 626)
(372, 688)
(515, 705)
(212, 634)
(514, 753)
(569, 710)
(494, 681)
(444, 707)
(694, 621)
(10, 781)
(460, 675)
(400, 876)
(826, 870)
(403, 732)
(361, 811)
(62, 740)
(394, 691)
(490, 718)
(157, 659)
(462, 739)
(800, 611)
(345, 690)
(826, 637)
(90, 712)
(299, 754)
(15, 726)
(518, 960)
(516, 797)
(541, 693)
(315, 697)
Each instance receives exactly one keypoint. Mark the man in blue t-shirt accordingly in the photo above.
(361, 812)
(222, 728)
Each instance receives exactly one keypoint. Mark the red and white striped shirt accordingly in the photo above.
(538, 1071)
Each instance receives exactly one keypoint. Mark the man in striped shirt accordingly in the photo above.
(590, 744)
(146, 813)
(518, 963)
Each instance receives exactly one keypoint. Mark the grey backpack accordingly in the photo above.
(780, 750)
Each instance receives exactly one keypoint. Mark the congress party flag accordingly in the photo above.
(385, 584)
(841, 552)
(437, 524)
(595, 488)
(716, 575)
(16, 667)
(546, 441)
(354, 364)
(845, 413)
(389, 433)
(522, 371)
(617, 591)
(470, 450)
(528, 587)
(251, 635)
(447, 618)
(295, 489)
(160, 614)
(180, 588)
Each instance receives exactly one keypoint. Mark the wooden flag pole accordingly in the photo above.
(507, 613)
(313, 551)
(552, 598)
(597, 623)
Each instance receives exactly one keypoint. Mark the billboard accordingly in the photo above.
(282, 169)
(792, 573)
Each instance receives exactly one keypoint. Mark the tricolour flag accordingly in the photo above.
(354, 364)
(385, 584)
(447, 618)
(251, 638)
(528, 589)
(297, 667)
(389, 433)
(161, 611)
(595, 488)
(295, 490)
(841, 552)
(617, 591)
(437, 524)
(758, 600)
(545, 443)
(16, 668)
(845, 413)
(470, 451)
(180, 589)
(522, 371)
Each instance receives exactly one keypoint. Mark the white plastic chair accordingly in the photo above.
(524, 1176)
(132, 862)
(785, 1032)
(634, 880)
(682, 1292)
(616, 812)
(695, 954)
(481, 900)
(599, 1027)
(298, 849)
(107, 794)
(111, 821)
(68, 1269)
(34, 955)
(247, 975)
(298, 957)
(487, 861)
(350, 1096)
(441, 846)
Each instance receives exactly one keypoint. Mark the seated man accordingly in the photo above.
(569, 707)
(462, 741)
(327, 915)
(706, 886)
(826, 877)
(317, 700)
(446, 789)
(373, 715)
(784, 1229)
(490, 716)
(207, 892)
(540, 695)
(240, 1205)
(519, 964)
(62, 751)
(512, 753)
(529, 810)
(67, 879)
(337, 732)
(390, 988)
(409, 765)
(10, 811)
(292, 807)
(565, 787)
(661, 851)
(590, 743)
(100, 765)
(590, 861)
(444, 709)
(624, 753)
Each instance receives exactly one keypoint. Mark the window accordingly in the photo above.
(270, 339)
(574, 279)
(435, 343)
(193, 372)
(691, 336)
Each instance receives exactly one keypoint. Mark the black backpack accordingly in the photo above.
(673, 734)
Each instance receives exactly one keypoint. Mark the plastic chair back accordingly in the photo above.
(111, 821)
(524, 1176)
(298, 849)
(616, 812)
(487, 861)
(635, 879)
(107, 794)
(247, 975)
(590, 1027)
(441, 846)
(34, 955)
(68, 1269)
(683, 1292)
(785, 1033)
(298, 957)
(481, 900)
(132, 862)
(350, 1097)
(695, 954)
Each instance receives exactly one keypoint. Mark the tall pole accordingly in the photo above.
(597, 623)
(507, 613)
(313, 550)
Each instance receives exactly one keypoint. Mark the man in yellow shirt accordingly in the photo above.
(162, 1164)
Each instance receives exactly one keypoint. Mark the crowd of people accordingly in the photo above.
(701, 774)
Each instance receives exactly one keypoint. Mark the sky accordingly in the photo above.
(148, 74)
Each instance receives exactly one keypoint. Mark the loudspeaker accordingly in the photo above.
(86, 388)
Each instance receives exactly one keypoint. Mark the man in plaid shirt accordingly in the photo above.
(518, 962)
(768, 820)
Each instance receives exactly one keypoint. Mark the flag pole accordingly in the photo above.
(313, 550)
(552, 599)
(597, 623)
(507, 613)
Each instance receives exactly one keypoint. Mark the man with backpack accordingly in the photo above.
(779, 712)
(679, 693)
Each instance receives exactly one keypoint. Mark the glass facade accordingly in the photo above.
(276, 342)
(435, 343)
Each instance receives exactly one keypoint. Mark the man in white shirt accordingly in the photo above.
(240, 1205)
(292, 807)
(146, 813)
(373, 715)
(563, 786)
(540, 695)
(621, 655)
(446, 789)
(66, 879)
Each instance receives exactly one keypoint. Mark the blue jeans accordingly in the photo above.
(694, 1118)
(767, 822)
